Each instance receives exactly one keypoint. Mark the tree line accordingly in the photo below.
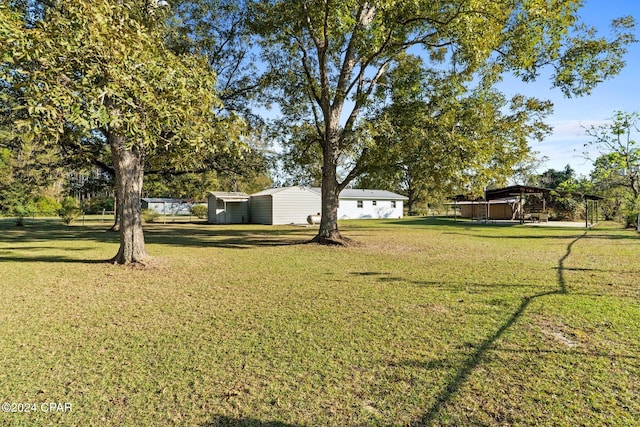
(163, 96)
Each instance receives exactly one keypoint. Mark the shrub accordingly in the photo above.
(199, 210)
(566, 208)
(20, 211)
(150, 215)
(97, 204)
(69, 210)
(631, 220)
(47, 205)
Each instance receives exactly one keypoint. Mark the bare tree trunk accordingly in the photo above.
(129, 168)
(411, 203)
(328, 233)
(116, 216)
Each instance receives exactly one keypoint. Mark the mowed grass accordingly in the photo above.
(425, 322)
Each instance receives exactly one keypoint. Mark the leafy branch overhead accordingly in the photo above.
(95, 65)
(434, 136)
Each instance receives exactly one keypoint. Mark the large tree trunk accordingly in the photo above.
(129, 168)
(328, 233)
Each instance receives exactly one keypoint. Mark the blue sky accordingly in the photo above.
(566, 144)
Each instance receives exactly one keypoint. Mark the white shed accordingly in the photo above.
(368, 204)
(227, 208)
(285, 205)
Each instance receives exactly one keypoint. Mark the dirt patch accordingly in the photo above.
(149, 264)
(559, 333)
(434, 308)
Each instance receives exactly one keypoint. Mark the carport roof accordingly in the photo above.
(517, 190)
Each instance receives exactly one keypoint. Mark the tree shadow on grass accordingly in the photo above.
(223, 421)
(39, 237)
(475, 287)
(51, 232)
(238, 242)
(567, 233)
(478, 355)
(52, 259)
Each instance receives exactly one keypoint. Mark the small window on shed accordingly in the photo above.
(360, 205)
(393, 204)
(375, 203)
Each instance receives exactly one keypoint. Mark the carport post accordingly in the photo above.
(486, 207)
(455, 210)
(586, 221)
(521, 208)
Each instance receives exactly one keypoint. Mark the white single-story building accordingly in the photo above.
(370, 204)
(292, 205)
(168, 206)
(285, 205)
(227, 207)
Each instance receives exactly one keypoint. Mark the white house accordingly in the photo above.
(369, 204)
(227, 207)
(285, 205)
(167, 206)
(292, 205)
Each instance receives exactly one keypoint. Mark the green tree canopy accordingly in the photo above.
(619, 149)
(82, 67)
(327, 58)
(437, 135)
(616, 173)
(552, 178)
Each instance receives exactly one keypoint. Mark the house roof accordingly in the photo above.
(348, 193)
(363, 193)
(227, 196)
(270, 191)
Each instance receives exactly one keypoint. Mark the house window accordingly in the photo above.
(360, 203)
(393, 204)
(375, 203)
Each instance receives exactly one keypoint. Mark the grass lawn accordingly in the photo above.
(426, 322)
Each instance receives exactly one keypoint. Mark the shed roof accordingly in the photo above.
(227, 196)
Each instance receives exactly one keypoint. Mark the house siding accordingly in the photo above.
(290, 205)
(294, 205)
(211, 209)
(235, 211)
(261, 207)
(349, 209)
